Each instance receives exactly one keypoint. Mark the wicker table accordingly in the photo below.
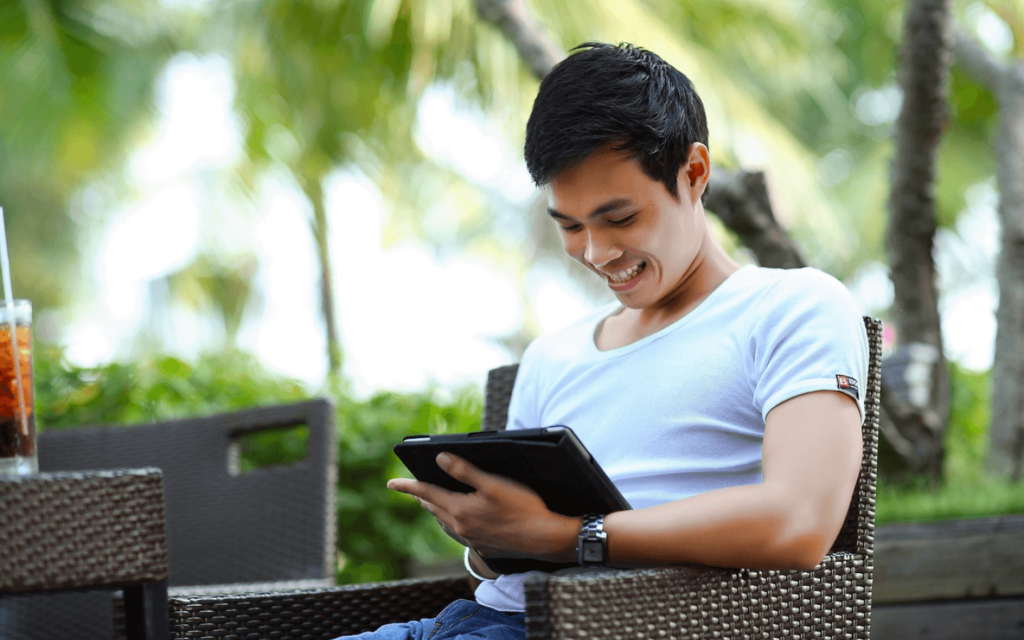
(87, 530)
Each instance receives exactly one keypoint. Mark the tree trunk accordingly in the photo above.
(920, 418)
(1006, 430)
(531, 40)
(740, 199)
(314, 191)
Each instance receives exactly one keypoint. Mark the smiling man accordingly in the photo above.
(722, 400)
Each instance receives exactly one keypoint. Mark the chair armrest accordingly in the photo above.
(704, 602)
(275, 586)
(317, 614)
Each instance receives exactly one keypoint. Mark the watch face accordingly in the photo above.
(592, 552)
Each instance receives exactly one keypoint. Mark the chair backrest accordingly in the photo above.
(858, 532)
(272, 524)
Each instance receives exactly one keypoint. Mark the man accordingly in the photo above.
(722, 400)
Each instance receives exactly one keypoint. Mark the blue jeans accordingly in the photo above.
(461, 619)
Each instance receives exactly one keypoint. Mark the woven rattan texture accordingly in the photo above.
(687, 603)
(78, 530)
(60, 614)
(858, 532)
(312, 615)
(497, 393)
(275, 523)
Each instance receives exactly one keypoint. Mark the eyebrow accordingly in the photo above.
(607, 207)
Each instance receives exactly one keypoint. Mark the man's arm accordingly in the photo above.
(810, 460)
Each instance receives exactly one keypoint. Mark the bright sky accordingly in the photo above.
(408, 320)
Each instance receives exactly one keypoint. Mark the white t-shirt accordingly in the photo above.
(682, 411)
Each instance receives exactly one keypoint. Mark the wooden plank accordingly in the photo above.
(980, 558)
(1001, 619)
(950, 528)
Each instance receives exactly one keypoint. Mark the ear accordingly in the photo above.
(694, 175)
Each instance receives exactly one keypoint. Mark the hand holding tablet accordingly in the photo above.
(551, 461)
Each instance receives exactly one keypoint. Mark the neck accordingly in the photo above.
(711, 267)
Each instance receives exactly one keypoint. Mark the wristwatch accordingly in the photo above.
(593, 541)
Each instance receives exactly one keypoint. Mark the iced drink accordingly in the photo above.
(17, 429)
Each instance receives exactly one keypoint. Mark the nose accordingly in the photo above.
(600, 249)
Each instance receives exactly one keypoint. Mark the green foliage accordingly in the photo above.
(269, 448)
(967, 434)
(965, 491)
(379, 531)
(921, 501)
(155, 388)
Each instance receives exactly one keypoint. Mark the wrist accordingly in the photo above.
(593, 541)
(567, 545)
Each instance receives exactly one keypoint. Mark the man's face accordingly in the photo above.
(628, 229)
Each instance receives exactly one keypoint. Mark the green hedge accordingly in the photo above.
(379, 531)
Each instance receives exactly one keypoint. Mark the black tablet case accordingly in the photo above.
(551, 461)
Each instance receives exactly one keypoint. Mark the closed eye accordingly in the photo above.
(570, 228)
(621, 222)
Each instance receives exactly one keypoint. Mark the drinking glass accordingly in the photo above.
(17, 410)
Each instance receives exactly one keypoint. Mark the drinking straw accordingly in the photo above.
(5, 263)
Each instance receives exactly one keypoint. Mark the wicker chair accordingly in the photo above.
(831, 601)
(61, 533)
(269, 529)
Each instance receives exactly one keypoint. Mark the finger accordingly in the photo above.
(404, 485)
(425, 491)
(450, 531)
(439, 514)
(464, 471)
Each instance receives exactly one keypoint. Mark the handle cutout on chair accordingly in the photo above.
(253, 450)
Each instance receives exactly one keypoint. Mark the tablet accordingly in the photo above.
(551, 460)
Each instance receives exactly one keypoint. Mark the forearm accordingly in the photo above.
(752, 526)
(811, 459)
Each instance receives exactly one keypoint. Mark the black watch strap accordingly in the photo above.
(593, 541)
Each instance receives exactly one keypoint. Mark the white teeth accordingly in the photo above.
(626, 274)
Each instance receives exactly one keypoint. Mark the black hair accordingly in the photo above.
(622, 96)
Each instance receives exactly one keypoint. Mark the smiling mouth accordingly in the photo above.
(624, 276)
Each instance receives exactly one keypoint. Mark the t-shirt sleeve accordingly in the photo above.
(808, 336)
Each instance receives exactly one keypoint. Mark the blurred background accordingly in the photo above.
(219, 204)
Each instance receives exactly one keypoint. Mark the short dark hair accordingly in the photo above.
(622, 96)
